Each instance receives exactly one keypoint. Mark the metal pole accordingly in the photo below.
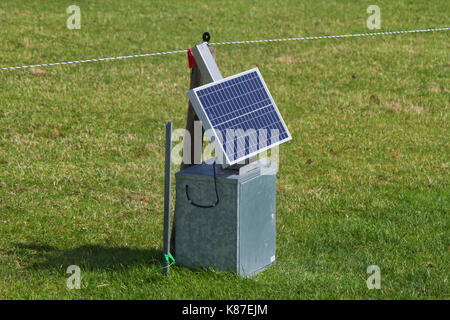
(167, 183)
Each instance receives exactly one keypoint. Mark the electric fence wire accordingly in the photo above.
(227, 43)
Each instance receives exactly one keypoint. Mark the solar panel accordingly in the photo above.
(241, 114)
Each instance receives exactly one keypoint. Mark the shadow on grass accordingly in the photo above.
(92, 257)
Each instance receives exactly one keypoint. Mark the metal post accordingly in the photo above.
(167, 183)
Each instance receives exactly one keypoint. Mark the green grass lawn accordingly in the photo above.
(365, 180)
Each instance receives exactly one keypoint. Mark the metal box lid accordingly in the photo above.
(228, 175)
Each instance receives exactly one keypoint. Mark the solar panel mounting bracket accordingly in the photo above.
(205, 62)
(208, 69)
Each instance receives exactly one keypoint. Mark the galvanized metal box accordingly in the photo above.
(239, 233)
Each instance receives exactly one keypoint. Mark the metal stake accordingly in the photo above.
(167, 183)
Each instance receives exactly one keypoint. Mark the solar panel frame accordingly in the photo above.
(212, 131)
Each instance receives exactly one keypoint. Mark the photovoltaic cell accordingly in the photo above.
(242, 114)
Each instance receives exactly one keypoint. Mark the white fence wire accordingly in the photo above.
(227, 43)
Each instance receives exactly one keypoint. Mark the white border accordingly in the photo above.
(196, 104)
